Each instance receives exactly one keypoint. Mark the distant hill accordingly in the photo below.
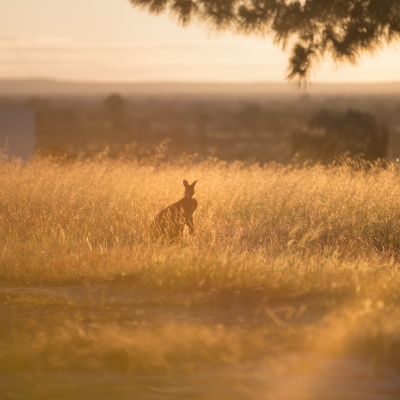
(47, 87)
(44, 87)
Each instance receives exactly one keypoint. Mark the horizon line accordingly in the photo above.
(183, 82)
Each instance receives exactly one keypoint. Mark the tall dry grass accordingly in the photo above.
(319, 235)
(89, 220)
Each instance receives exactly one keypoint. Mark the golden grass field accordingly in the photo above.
(289, 285)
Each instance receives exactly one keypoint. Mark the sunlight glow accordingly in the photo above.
(109, 40)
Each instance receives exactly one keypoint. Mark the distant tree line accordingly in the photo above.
(332, 135)
(285, 130)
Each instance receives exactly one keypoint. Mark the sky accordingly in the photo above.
(109, 40)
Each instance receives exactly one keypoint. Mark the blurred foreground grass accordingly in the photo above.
(284, 261)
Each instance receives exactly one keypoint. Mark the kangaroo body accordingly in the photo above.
(170, 222)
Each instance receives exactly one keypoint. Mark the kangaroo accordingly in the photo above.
(170, 222)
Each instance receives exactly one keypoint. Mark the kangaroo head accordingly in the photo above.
(189, 189)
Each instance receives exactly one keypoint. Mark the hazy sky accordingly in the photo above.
(109, 40)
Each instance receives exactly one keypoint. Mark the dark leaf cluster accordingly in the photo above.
(343, 29)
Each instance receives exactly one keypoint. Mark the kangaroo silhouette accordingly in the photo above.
(170, 222)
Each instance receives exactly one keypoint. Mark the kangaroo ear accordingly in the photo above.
(185, 183)
(194, 184)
